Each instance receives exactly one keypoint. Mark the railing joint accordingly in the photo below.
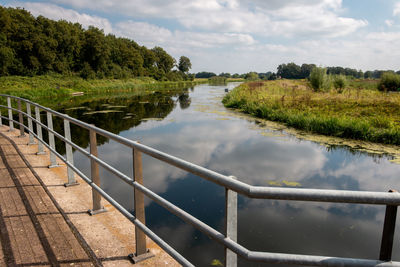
(71, 184)
(92, 212)
(136, 259)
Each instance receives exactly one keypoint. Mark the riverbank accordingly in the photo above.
(360, 112)
(37, 87)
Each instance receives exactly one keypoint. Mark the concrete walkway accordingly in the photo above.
(43, 223)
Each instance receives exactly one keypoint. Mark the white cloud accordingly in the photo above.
(268, 18)
(143, 33)
(389, 22)
(152, 35)
(396, 9)
(57, 13)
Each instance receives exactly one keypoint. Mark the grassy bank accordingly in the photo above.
(37, 87)
(359, 112)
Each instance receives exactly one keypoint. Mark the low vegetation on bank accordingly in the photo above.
(350, 109)
(56, 85)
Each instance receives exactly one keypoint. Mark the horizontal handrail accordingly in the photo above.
(297, 194)
(126, 213)
(261, 192)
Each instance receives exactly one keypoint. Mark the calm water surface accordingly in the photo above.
(192, 124)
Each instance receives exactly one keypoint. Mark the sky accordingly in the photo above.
(238, 36)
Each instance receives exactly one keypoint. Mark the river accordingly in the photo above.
(192, 124)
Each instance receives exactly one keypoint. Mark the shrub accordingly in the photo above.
(319, 80)
(339, 82)
(389, 82)
(87, 72)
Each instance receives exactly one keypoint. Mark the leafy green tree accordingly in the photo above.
(96, 51)
(289, 71)
(6, 60)
(205, 74)
(368, 74)
(305, 70)
(339, 82)
(163, 61)
(251, 76)
(226, 75)
(184, 64)
(32, 46)
(319, 80)
(389, 82)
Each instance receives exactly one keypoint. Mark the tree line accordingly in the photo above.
(37, 45)
(294, 71)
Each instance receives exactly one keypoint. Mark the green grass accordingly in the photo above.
(37, 87)
(359, 112)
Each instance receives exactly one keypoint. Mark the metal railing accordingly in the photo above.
(232, 187)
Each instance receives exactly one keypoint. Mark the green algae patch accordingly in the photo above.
(152, 119)
(216, 262)
(284, 183)
(274, 183)
(291, 184)
(101, 112)
(117, 106)
(77, 108)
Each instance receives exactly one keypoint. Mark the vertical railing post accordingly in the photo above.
(53, 158)
(142, 252)
(30, 125)
(21, 120)
(1, 119)
(39, 132)
(10, 115)
(69, 155)
(94, 174)
(389, 226)
(231, 224)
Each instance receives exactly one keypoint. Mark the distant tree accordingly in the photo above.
(390, 81)
(205, 74)
(289, 71)
(305, 70)
(184, 64)
(377, 74)
(339, 82)
(368, 74)
(226, 75)
(273, 77)
(163, 61)
(319, 80)
(236, 75)
(264, 76)
(251, 76)
(336, 71)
